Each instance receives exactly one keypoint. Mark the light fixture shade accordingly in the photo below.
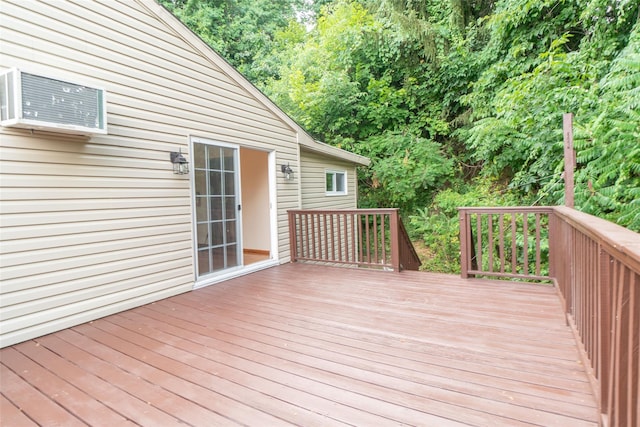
(287, 172)
(180, 164)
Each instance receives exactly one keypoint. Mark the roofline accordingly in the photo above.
(330, 150)
(191, 38)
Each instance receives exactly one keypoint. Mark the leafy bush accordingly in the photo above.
(406, 171)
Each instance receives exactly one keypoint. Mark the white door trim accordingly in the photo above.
(229, 273)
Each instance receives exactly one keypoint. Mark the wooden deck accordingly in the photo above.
(311, 346)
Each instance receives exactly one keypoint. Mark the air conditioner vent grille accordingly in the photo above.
(42, 103)
(56, 101)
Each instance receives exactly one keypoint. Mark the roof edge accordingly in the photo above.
(214, 57)
(330, 150)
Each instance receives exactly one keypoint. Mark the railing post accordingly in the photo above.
(395, 241)
(464, 244)
(293, 238)
(569, 159)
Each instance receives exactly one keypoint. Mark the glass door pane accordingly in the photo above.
(217, 228)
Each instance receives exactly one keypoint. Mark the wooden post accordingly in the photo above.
(464, 244)
(569, 158)
(395, 240)
(293, 237)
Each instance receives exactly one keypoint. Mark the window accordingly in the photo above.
(336, 183)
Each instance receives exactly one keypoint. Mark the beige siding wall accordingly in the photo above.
(313, 182)
(92, 226)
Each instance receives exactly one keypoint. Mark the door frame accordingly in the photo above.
(273, 205)
(228, 273)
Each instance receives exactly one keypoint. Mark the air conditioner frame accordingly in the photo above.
(12, 111)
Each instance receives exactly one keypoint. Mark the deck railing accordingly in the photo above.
(594, 264)
(505, 242)
(374, 238)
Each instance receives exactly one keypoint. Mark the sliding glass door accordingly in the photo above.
(217, 207)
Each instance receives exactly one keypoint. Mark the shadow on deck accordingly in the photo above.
(310, 345)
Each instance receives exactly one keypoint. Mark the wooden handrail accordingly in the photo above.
(373, 238)
(595, 266)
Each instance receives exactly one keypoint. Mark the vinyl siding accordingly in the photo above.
(313, 170)
(95, 225)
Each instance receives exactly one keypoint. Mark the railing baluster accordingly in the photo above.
(320, 248)
(307, 251)
(367, 238)
(593, 300)
(313, 237)
(300, 234)
(616, 322)
(375, 238)
(384, 218)
(501, 249)
(343, 243)
(514, 253)
(525, 246)
(348, 233)
(338, 238)
(326, 237)
(368, 231)
(357, 225)
(479, 241)
(490, 239)
(538, 251)
(333, 237)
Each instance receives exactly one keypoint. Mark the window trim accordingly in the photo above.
(334, 173)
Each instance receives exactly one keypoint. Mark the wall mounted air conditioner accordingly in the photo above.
(36, 102)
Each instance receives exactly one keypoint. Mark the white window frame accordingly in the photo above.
(334, 174)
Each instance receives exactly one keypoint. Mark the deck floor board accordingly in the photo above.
(310, 345)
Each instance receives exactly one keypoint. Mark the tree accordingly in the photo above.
(339, 83)
(242, 31)
(608, 143)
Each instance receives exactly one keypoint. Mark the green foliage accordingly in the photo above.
(319, 82)
(608, 146)
(339, 85)
(523, 138)
(407, 170)
(242, 31)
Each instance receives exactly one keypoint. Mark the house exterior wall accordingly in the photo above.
(95, 225)
(313, 167)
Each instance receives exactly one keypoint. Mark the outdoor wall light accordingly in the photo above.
(287, 172)
(180, 164)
